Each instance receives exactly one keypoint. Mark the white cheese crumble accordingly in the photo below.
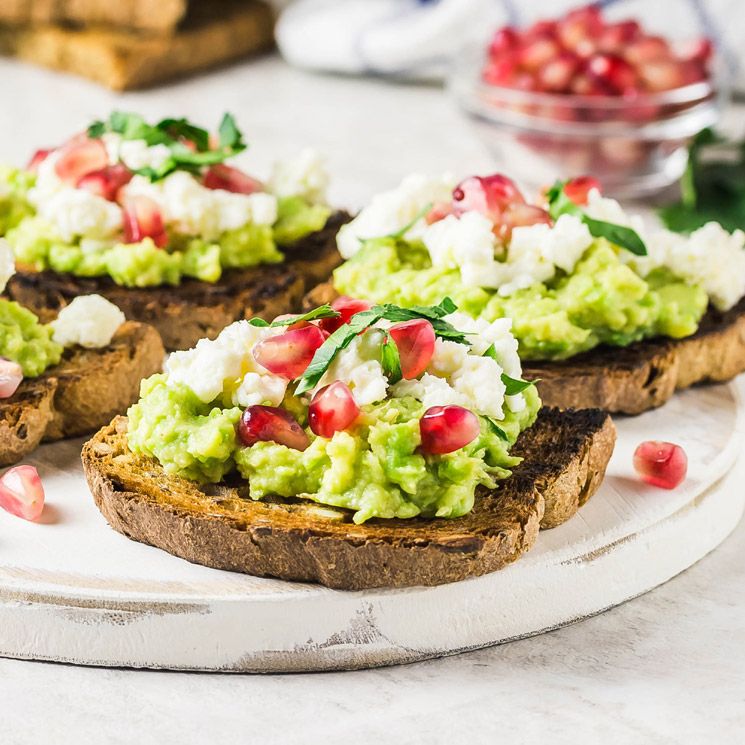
(77, 213)
(89, 320)
(226, 365)
(303, 176)
(7, 263)
(195, 210)
(135, 154)
(393, 210)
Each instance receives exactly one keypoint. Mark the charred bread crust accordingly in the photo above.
(85, 390)
(194, 310)
(565, 453)
(633, 379)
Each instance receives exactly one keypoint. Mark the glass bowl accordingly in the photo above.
(633, 146)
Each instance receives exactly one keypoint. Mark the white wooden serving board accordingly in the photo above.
(73, 590)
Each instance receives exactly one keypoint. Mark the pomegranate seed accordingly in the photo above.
(662, 464)
(142, 219)
(504, 40)
(615, 36)
(578, 189)
(11, 375)
(613, 72)
(580, 25)
(107, 181)
(289, 354)
(439, 212)
(228, 178)
(445, 429)
(22, 493)
(519, 216)
(646, 49)
(663, 74)
(537, 53)
(346, 307)
(540, 29)
(500, 72)
(415, 341)
(490, 195)
(556, 74)
(37, 159)
(78, 157)
(584, 85)
(271, 424)
(332, 409)
(698, 50)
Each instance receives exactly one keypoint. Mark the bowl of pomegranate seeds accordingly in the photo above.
(583, 94)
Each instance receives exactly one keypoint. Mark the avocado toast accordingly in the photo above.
(154, 219)
(608, 312)
(362, 447)
(68, 377)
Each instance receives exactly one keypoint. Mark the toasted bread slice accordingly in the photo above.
(77, 396)
(158, 16)
(194, 309)
(633, 379)
(566, 454)
(213, 34)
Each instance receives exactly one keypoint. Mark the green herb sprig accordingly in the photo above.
(322, 311)
(560, 204)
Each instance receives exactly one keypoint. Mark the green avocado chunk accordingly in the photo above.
(26, 341)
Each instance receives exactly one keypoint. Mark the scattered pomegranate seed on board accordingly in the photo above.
(22, 493)
(662, 464)
(11, 376)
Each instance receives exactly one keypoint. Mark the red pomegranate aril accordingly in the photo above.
(521, 216)
(646, 49)
(142, 219)
(107, 181)
(415, 341)
(289, 354)
(445, 429)
(615, 36)
(578, 189)
(663, 75)
(439, 212)
(662, 464)
(500, 72)
(80, 156)
(489, 195)
(11, 376)
(221, 176)
(504, 40)
(698, 50)
(537, 53)
(557, 73)
(584, 85)
(579, 25)
(271, 424)
(37, 159)
(540, 29)
(22, 493)
(346, 307)
(613, 71)
(333, 409)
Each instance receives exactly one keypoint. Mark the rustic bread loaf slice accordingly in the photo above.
(194, 310)
(157, 16)
(566, 454)
(77, 396)
(213, 34)
(633, 379)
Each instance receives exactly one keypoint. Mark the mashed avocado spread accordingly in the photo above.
(190, 417)
(26, 341)
(571, 274)
(158, 204)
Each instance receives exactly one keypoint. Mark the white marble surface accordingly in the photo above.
(665, 668)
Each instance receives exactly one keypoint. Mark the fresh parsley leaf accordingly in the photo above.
(491, 352)
(230, 136)
(513, 386)
(340, 339)
(433, 314)
(390, 360)
(182, 128)
(323, 311)
(497, 429)
(258, 322)
(96, 129)
(559, 204)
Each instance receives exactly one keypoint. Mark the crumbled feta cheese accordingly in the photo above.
(607, 209)
(135, 154)
(392, 210)
(431, 391)
(89, 320)
(227, 364)
(359, 368)
(303, 176)
(7, 263)
(480, 381)
(77, 213)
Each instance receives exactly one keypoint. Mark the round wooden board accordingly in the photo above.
(73, 590)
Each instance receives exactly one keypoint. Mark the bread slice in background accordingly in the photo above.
(80, 394)
(633, 379)
(565, 456)
(159, 16)
(212, 33)
(192, 310)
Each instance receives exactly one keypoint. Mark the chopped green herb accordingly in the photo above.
(323, 311)
(390, 360)
(497, 429)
